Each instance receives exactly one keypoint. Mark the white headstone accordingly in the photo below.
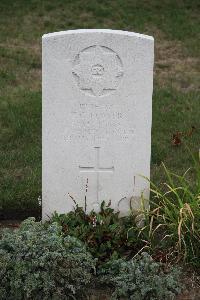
(97, 107)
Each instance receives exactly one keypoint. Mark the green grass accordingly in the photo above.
(176, 101)
(174, 111)
(20, 153)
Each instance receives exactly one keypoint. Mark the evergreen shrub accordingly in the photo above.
(140, 278)
(37, 262)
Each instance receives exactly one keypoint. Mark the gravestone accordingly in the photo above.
(97, 107)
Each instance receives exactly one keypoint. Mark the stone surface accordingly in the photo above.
(97, 106)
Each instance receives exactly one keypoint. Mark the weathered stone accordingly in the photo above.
(97, 106)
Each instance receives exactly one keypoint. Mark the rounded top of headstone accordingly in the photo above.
(97, 31)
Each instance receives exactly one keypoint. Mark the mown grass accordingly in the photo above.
(176, 100)
(174, 111)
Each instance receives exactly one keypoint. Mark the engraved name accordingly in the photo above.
(90, 122)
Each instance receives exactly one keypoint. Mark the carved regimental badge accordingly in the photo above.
(98, 70)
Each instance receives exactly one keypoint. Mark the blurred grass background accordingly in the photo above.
(176, 99)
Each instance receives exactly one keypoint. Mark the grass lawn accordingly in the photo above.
(176, 99)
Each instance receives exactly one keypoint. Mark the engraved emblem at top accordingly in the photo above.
(98, 70)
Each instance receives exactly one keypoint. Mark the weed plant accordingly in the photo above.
(174, 219)
(105, 234)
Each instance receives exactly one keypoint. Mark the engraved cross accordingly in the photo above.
(96, 170)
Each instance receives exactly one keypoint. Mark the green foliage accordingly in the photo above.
(105, 234)
(174, 219)
(140, 279)
(37, 262)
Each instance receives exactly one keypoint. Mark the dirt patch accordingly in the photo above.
(9, 216)
(11, 224)
(189, 295)
(173, 66)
